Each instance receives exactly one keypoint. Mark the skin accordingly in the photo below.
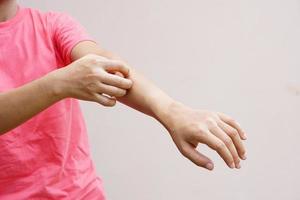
(8, 9)
(99, 76)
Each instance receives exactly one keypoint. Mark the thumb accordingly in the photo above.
(197, 158)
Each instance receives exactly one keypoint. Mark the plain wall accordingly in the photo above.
(237, 57)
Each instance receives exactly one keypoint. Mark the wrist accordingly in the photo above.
(54, 86)
(166, 110)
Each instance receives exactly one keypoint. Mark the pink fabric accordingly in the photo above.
(48, 156)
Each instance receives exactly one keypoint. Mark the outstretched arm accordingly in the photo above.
(187, 127)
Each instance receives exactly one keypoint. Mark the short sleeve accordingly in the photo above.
(66, 33)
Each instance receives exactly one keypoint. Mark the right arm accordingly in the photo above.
(86, 79)
(20, 104)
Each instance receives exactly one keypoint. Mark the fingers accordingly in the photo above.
(234, 124)
(218, 132)
(196, 157)
(219, 146)
(116, 66)
(116, 80)
(119, 74)
(234, 135)
(104, 100)
(111, 90)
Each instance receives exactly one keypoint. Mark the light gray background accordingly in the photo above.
(240, 57)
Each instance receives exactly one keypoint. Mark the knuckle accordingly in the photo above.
(92, 70)
(91, 59)
(211, 122)
(92, 86)
(220, 146)
(201, 134)
(100, 75)
(88, 70)
(227, 141)
(105, 101)
(201, 131)
(120, 92)
(123, 92)
(109, 103)
(98, 100)
(204, 131)
(127, 84)
(233, 133)
(184, 151)
(197, 130)
(195, 127)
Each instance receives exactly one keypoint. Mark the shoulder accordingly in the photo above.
(43, 14)
(48, 18)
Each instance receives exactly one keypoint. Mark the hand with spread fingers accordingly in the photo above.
(189, 127)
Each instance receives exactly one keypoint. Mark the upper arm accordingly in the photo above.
(66, 33)
(71, 40)
(89, 47)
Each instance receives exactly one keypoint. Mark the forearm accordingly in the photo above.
(20, 104)
(144, 96)
(188, 127)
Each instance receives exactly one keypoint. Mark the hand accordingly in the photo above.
(92, 78)
(189, 127)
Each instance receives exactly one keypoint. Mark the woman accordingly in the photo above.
(47, 63)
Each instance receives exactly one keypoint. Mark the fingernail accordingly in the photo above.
(244, 157)
(238, 166)
(232, 165)
(209, 166)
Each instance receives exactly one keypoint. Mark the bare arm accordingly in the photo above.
(188, 127)
(22, 103)
(135, 97)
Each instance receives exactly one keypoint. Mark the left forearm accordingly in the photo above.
(188, 127)
(145, 97)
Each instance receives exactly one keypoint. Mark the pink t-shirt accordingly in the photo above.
(48, 156)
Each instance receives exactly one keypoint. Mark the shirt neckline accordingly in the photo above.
(14, 20)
